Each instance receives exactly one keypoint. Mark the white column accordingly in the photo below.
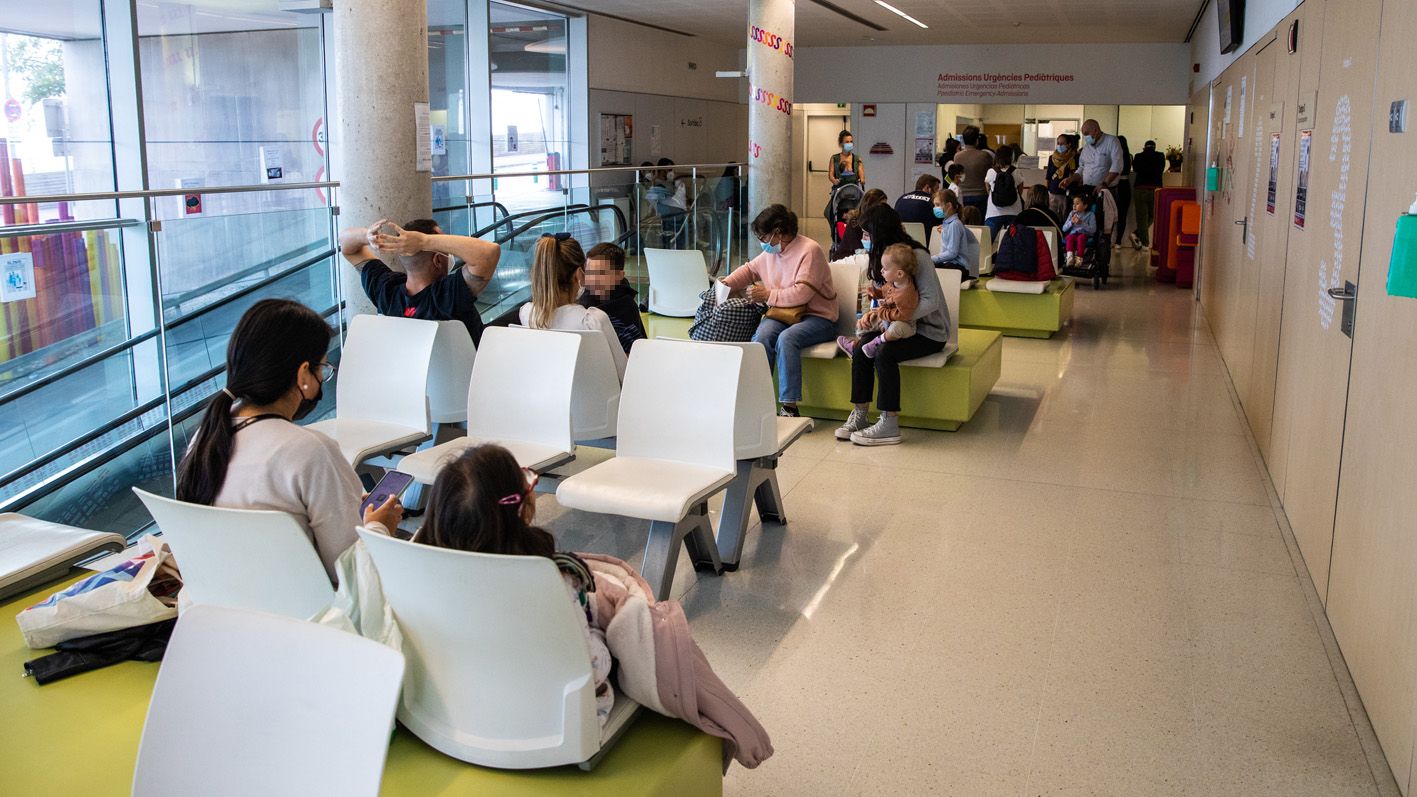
(771, 28)
(381, 65)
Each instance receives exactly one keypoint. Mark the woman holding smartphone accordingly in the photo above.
(248, 452)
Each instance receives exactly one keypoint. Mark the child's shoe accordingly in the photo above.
(847, 345)
(873, 345)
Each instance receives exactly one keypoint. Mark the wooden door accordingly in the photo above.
(1314, 352)
(1372, 597)
(1216, 218)
(1303, 68)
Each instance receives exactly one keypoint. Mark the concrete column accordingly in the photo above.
(381, 67)
(771, 29)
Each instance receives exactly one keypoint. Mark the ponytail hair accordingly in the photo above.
(270, 343)
(553, 277)
(476, 505)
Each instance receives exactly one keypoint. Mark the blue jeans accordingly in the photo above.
(785, 344)
(998, 223)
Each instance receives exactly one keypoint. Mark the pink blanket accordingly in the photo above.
(662, 668)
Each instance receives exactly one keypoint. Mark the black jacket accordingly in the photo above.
(623, 310)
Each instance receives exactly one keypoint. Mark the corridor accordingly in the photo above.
(1084, 591)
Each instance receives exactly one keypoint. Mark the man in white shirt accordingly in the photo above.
(1100, 164)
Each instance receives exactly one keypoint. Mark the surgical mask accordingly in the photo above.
(939, 213)
(866, 244)
(1091, 140)
(307, 405)
(772, 249)
(847, 147)
(1061, 148)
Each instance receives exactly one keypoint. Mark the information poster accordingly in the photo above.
(1301, 194)
(17, 270)
(925, 150)
(1273, 194)
(422, 139)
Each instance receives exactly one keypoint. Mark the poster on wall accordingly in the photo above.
(1243, 81)
(925, 124)
(1273, 194)
(18, 270)
(422, 138)
(925, 149)
(1301, 194)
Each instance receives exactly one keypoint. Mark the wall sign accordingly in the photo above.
(17, 271)
(1273, 194)
(422, 139)
(1301, 193)
(868, 110)
(1305, 109)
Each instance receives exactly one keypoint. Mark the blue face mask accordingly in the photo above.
(847, 147)
(866, 244)
(1061, 148)
(939, 213)
(772, 249)
(1091, 140)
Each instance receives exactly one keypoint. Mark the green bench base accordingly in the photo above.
(941, 398)
(1018, 315)
(80, 736)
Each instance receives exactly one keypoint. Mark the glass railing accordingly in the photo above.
(114, 329)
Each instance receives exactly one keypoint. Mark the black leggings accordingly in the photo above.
(885, 368)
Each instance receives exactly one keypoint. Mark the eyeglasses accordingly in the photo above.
(327, 371)
(559, 236)
(532, 478)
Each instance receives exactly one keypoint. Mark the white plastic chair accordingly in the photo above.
(381, 402)
(950, 280)
(519, 397)
(245, 558)
(675, 449)
(449, 372)
(759, 439)
(595, 394)
(676, 278)
(848, 276)
(251, 703)
(915, 230)
(986, 248)
(505, 680)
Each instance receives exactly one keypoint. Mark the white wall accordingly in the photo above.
(888, 126)
(1141, 74)
(626, 57)
(1260, 17)
(690, 130)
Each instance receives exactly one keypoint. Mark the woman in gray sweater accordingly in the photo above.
(880, 227)
(249, 453)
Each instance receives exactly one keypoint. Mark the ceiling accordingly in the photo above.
(951, 22)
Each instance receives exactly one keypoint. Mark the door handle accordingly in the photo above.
(1244, 222)
(1346, 293)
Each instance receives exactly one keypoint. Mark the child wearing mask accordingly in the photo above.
(959, 249)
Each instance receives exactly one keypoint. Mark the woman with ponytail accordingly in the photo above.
(249, 454)
(557, 275)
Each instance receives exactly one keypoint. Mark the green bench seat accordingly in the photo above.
(80, 736)
(930, 398)
(1018, 315)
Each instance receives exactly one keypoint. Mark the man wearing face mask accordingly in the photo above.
(427, 288)
(1100, 163)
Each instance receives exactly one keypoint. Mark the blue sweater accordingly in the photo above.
(1087, 223)
(958, 246)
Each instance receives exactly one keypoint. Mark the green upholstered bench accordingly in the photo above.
(80, 736)
(1018, 315)
(943, 397)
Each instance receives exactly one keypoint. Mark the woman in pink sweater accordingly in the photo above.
(791, 272)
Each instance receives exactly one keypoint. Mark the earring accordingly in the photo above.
(304, 387)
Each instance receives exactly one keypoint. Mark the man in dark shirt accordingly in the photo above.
(607, 288)
(1148, 165)
(426, 289)
(918, 205)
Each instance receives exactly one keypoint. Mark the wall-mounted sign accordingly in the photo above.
(882, 148)
(440, 139)
(1273, 173)
(17, 273)
(868, 110)
(1305, 109)
(272, 164)
(1301, 194)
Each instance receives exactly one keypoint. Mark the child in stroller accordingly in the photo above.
(1096, 258)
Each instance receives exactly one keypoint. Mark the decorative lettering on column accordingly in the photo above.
(1342, 131)
(755, 150)
(761, 95)
(769, 40)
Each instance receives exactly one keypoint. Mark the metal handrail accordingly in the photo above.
(45, 199)
(598, 170)
(54, 228)
(543, 214)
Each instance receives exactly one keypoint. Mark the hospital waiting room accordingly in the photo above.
(426, 398)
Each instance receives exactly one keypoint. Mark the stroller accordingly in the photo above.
(845, 197)
(1097, 259)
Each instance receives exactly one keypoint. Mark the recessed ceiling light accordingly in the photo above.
(902, 14)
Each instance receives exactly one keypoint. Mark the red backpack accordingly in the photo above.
(1042, 256)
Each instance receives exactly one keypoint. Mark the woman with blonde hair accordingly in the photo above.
(557, 277)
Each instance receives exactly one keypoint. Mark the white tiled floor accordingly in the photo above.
(1082, 592)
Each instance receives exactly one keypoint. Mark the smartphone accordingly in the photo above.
(389, 230)
(393, 484)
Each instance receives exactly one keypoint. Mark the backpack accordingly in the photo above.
(1024, 255)
(1005, 192)
(732, 320)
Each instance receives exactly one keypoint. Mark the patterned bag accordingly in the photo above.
(732, 320)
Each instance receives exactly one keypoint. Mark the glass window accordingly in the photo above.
(529, 91)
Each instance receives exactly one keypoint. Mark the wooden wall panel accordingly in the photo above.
(1372, 597)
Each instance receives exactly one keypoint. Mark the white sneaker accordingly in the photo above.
(885, 432)
(855, 422)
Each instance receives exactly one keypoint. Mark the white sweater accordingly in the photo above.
(574, 316)
(279, 465)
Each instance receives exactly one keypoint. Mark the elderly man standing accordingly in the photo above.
(1101, 162)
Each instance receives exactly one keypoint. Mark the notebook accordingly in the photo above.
(35, 552)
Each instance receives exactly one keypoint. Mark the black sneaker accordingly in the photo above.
(788, 411)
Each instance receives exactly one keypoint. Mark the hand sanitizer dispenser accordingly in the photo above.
(1402, 268)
